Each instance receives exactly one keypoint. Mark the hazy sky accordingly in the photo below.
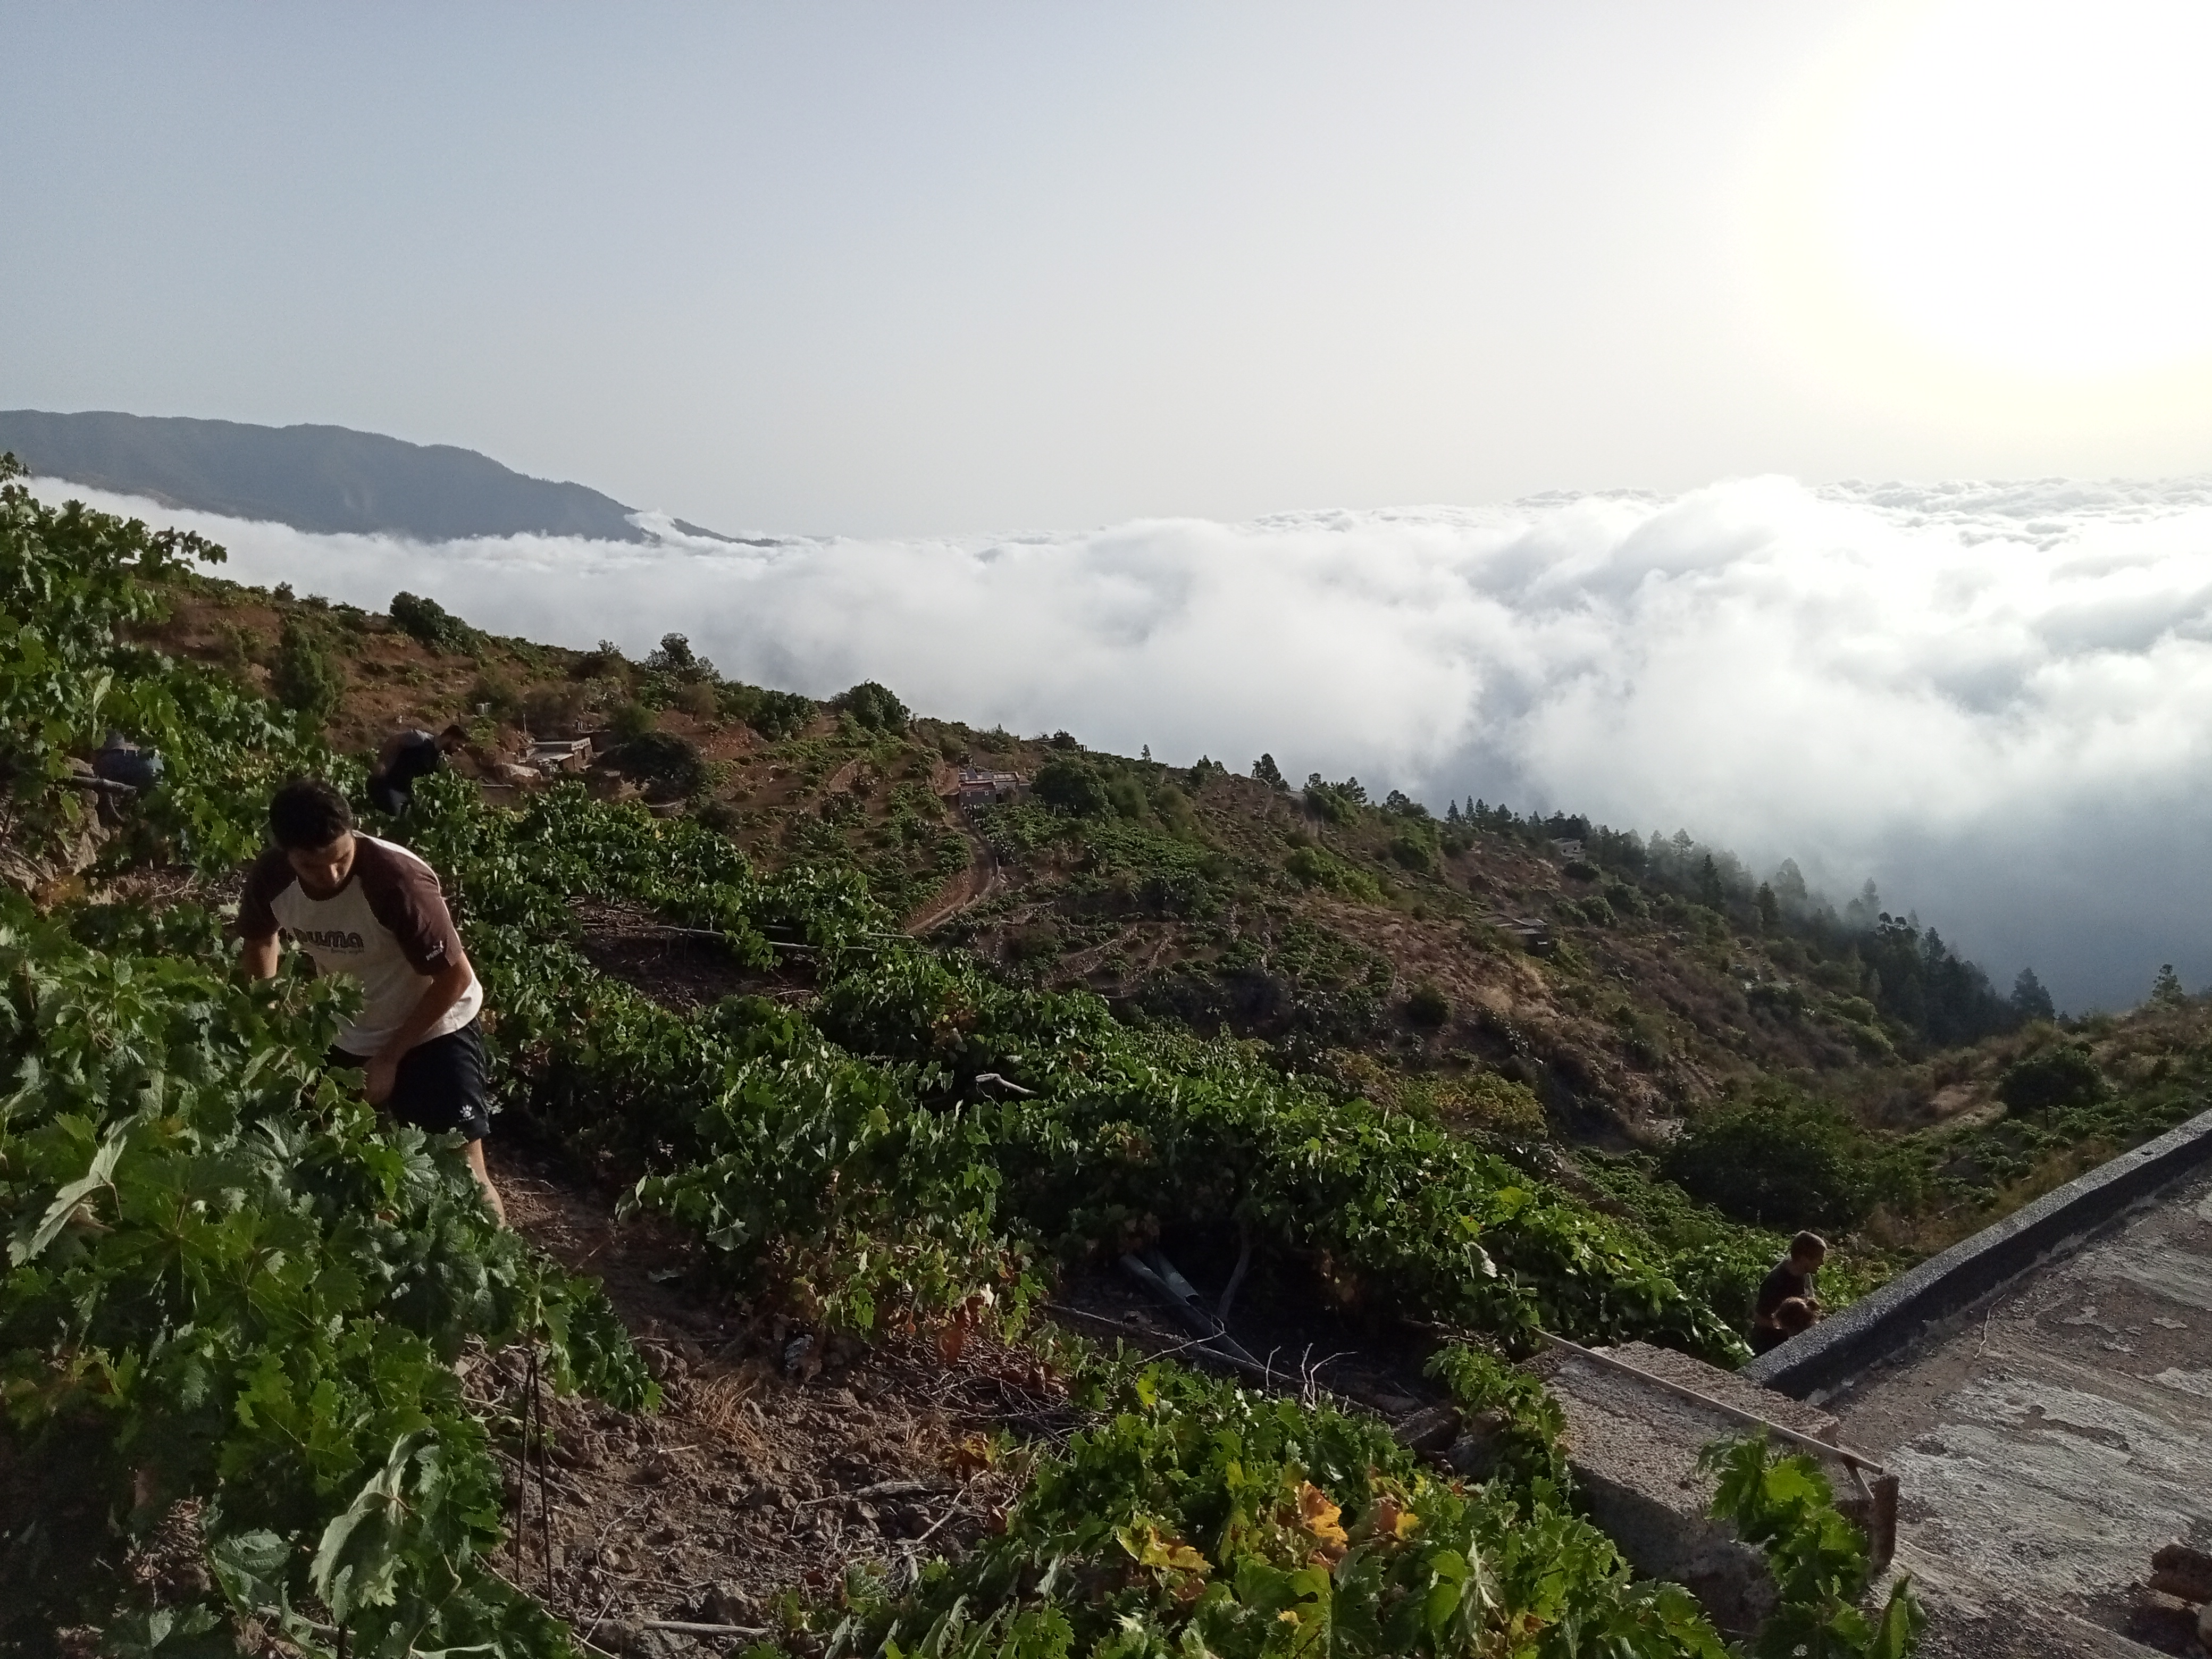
(940, 269)
(1141, 334)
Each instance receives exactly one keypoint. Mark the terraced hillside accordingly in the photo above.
(829, 1109)
(1561, 989)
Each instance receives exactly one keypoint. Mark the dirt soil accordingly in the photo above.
(680, 969)
(773, 1466)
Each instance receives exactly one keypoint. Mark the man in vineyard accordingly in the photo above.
(370, 909)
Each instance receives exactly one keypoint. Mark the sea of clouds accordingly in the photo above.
(1995, 699)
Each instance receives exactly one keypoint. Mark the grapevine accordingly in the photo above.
(231, 1296)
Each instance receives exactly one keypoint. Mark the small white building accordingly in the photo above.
(980, 788)
(551, 755)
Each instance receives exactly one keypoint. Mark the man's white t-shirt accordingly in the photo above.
(388, 927)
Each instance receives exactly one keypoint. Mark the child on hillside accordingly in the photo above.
(1791, 1280)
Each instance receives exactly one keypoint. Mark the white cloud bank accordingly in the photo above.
(1997, 699)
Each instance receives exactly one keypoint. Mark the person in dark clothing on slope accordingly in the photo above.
(121, 761)
(1791, 1280)
(373, 910)
(405, 757)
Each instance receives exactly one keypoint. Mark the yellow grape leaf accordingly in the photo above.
(1168, 1554)
(1319, 1517)
(1388, 1520)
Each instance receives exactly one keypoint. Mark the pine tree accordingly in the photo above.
(2029, 999)
(1709, 893)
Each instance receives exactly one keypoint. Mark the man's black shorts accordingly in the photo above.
(439, 1085)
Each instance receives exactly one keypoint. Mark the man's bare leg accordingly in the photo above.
(475, 1153)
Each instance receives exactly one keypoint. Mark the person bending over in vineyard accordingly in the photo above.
(1791, 1280)
(360, 906)
(405, 756)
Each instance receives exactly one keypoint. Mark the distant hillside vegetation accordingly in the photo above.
(326, 478)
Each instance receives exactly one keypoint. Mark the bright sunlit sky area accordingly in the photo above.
(953, 268)
(1605, 407)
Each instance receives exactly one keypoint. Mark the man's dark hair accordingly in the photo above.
(308, 813)
(1809, 1244)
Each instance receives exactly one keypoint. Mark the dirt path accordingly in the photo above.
(773, 1465)
(978, 882)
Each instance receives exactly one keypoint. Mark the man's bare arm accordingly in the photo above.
(446, 987)
(256, 958)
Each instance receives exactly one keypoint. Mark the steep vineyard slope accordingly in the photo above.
(925, 1073)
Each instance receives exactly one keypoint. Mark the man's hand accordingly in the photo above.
(378, 1075)
(446, 987)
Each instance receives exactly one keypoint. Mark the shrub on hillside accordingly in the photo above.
(1428, 1006)
(305, 677)
(1126, 796)
(1070, 784)
(628, 721)
(430, 624)
(1778, 1164)
(774, 715)
(1624, 899)
(669, 767)
(1497, 1105)
(1594, 910)
(2052, 1081)
(1330, 802)
(676, 659)
(1033, 942)
(1172, 807)
(494, 694)
(1414, 846)
(1310, 866)
(606, 663)
(873, 708)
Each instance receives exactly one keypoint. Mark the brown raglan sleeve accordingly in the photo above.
(404, 895)
(270, 875)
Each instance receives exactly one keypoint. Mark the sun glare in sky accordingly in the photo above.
(1984, 197)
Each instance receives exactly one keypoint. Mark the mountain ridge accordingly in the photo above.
(316, 477)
